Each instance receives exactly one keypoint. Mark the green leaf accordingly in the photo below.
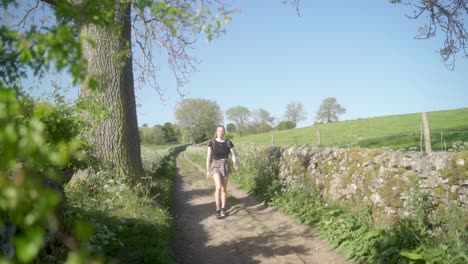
(82, 230)
(411, 255)
(74, 258)
(27, 246)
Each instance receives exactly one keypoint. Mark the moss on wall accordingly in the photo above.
(458, 170)
(356, 177)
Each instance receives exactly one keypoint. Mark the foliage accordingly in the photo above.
(329, 110)
(445, 16)
(59, 42)
(262, 120)
(255, 128)
(231, 128)
(263, 164)
(170, 132)
(229, 136)
(198, 118)
(38, 51)
(284, 125)
(173, 27)
(124, 217)
(154, 135)
(159, 134)
(30, 173)
(239, 115)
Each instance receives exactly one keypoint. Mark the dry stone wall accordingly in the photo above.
(386, 182)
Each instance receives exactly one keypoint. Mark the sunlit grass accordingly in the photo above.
(393, 132)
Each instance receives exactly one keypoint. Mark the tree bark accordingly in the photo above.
(116, 139)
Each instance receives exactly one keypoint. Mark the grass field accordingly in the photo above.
(393, 132)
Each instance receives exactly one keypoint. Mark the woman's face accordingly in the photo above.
(220, 132)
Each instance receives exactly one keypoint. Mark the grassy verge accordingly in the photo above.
(128, 226)
(197, 155)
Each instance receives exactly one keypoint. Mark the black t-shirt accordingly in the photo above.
(220, 150)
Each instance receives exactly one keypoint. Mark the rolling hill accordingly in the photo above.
(393, 132)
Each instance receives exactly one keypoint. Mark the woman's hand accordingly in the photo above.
(235, 166)
(207, 174)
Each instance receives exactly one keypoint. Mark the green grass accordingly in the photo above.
(131, 224)
(394, 132)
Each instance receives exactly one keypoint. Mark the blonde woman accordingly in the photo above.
(217, 166)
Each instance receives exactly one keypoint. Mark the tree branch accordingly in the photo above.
(447, 17)
(28, 12)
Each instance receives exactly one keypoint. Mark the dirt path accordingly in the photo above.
(252, 233)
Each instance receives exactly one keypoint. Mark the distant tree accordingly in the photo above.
(157, 135)
(284, 125)
(329, 110)
(153, 135)
(447, 16)
(198, 118)
(240, 116)
(145, 125)
(231, 128)
(262, 120)
(178, 133)
(295, 112)
(169, 131)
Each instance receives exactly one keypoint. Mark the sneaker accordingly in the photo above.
(223, 212)
(218, 214)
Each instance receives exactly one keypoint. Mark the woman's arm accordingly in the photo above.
(208, 161)
(234, 160)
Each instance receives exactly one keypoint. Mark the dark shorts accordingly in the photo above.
(220, 166)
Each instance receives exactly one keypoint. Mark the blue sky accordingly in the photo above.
(364, 53)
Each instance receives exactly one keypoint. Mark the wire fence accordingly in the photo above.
(440, 140)
(453, 140)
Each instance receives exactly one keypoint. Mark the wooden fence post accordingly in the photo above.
(421, 137)
(319, 138)
(443, 146)
(427, 133)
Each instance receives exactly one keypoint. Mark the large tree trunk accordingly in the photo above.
(116, 139)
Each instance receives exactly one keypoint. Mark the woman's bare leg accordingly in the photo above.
(218, 185)
(224, 181)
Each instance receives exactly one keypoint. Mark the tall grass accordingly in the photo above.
(131, 225)
(393, 132)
